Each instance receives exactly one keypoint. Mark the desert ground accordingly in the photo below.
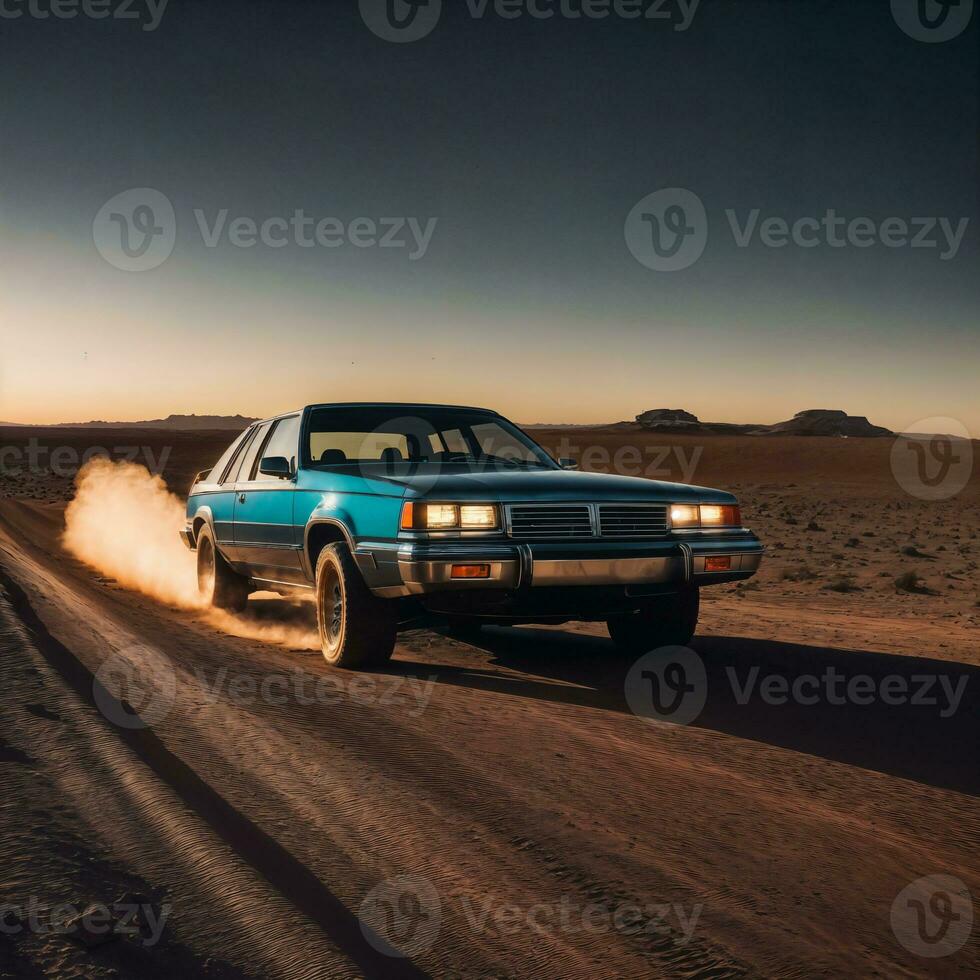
(504, 780)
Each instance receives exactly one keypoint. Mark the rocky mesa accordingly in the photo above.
(810, 422)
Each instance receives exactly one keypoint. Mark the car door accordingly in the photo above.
(221, 500)
(264, 538)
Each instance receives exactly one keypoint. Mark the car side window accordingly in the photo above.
(251, 453)
(455, 441)
(282, 442)
(231, 468)
(214, 476)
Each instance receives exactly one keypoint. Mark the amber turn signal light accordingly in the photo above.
(718, 563)
(471, 571)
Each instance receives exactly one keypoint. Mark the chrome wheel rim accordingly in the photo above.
(331, 610)
(205, 569)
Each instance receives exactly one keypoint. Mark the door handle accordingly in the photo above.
(241, 498)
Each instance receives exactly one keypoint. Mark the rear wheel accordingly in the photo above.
(357, 629)
(669, 620)
(217, 584)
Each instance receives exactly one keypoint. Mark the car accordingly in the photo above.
(390, 515)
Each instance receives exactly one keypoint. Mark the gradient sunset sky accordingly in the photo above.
(530, 141)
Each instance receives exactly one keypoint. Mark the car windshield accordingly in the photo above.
(414, 437)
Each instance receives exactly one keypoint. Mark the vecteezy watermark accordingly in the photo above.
(668, 231)
(933, 916)
(303, 231)
(653, 462)
(66, 461)
(93, 922)
(831, 687)
(137, 688)
(667, 685)
(136, 231)
(670, 684)
(401, 917)
(148, 13)
(933, 459)
(933, 21)
(408, 694)
(836, 231)
(402, 21)
(486, 915)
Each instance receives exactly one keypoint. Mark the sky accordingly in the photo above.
(508, 207)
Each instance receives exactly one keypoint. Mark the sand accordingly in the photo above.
(507, 777)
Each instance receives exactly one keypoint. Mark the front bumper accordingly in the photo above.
(420, 568)
(187, 536)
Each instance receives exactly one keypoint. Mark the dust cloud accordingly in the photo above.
(125, 523)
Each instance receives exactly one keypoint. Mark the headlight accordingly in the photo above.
(439, 516)
(705, 515)
(483, 516)
(684, 515)
(720, 515)
(449, 517)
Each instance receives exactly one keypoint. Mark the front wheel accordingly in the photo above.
(357, 629)
(217, 584)
(669, 620)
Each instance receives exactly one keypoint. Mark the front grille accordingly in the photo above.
(632, 521)
(558, 521)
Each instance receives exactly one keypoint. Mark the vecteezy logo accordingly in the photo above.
(401, 916)
(135, 687)
(136, 230)
(933, 916)
(934, 459)
(667, 685)
(932, 21)
(667, 230)
(400, 21)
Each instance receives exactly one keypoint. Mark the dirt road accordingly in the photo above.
(493, 809)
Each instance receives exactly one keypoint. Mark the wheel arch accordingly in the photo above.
(202, 516)
(323, 531)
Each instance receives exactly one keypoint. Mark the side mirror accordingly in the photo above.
(567, 463)
(277, 466)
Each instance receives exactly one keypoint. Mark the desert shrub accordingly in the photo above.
(801, 573)
(843, 583)
(908, 582)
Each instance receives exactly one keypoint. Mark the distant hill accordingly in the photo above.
(185, 422)
(810, 422)
(827, 422)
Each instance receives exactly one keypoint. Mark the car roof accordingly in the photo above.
(405, 405)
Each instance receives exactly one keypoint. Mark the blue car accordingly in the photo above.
(391, 515)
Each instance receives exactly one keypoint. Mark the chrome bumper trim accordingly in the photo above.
(517, 568)
(607, 571)
(436, 576)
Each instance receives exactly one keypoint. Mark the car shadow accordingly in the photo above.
(920, 722)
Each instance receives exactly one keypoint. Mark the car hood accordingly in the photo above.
(548, 485)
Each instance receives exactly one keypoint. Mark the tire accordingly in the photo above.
(217, 584)
(665, 621)
(357, 629)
